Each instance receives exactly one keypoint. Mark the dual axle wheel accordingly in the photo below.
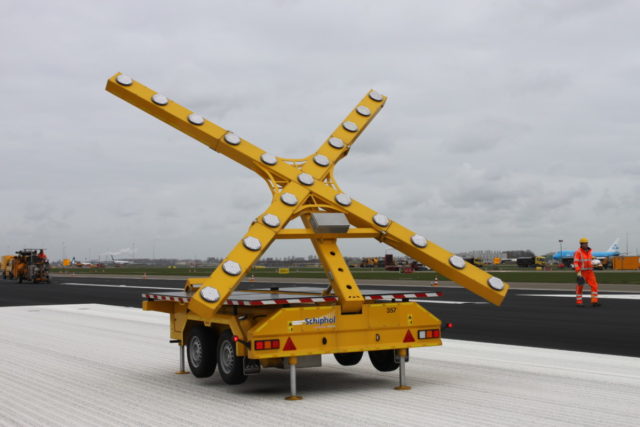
(206, 350)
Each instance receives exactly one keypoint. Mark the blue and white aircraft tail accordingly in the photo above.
(614, 250)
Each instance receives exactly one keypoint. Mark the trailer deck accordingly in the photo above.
(292, 295)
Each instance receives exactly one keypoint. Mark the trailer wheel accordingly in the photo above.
(201, 351)
(229, 365)
(348, 359)
(384, 360)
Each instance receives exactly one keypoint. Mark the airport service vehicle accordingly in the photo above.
(531, 261)
(241, 332)
(28, 266)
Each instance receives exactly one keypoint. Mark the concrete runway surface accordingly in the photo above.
(91, 364)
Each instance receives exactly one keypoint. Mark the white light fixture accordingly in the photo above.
(124, 80)
(350, 126)
(381, 220)
(195, 119)
(457, 262)
(419, 241)
(375, 96)
(232, 268)
(232, 138)
(289, 199)
(268, 159)
(209, 294)
(321, 160)
(363, 111)
(159, 99)
(336, 142)
(305, 179)
(252, 243)
(271, 220)
(496, 283)
(343, 199)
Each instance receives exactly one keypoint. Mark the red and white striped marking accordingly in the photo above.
(309, 300)
(403, 296)
(281, 301)
(166, 298)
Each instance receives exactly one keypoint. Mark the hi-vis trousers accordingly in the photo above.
(589, 277)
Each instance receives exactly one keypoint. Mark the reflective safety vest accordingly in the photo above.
(582, 260)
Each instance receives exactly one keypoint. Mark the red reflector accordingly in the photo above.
(408, 337)
(259, 345)
(449, 325)
(289, 345)
(235, 338)
(436, 333)
(275, 343)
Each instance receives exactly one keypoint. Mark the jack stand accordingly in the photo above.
(293, 361)
(403, 383)
(182, 371)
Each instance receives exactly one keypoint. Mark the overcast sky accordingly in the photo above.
(509, 124)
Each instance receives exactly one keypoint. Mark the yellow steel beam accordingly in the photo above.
(303, 179)
(344, 136)
(213, 136)
(303, 233)
(215, 289)
(340, 277)
(406, 241)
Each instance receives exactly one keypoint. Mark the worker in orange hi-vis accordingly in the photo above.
(583, 263)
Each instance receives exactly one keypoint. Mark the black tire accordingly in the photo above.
(229, 365)
(201, 351)
(383, 360)
(348, 359)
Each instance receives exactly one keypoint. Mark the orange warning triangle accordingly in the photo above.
(408, 337)
(291, 346)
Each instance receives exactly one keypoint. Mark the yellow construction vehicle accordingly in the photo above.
(369, 263)
(27, 265)
(242, 331)
(6, 266)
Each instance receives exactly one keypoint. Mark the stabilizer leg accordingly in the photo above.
(293, 361)
(402, 353)
(182, 367)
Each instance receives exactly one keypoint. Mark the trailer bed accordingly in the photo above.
(292, 295)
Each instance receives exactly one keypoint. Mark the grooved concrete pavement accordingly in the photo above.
(91, 364)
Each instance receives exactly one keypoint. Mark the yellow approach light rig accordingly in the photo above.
(242, 331)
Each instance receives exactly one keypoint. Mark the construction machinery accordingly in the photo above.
(6, 266)
(531, 261)
(241, 332)
(28, 265)
(369, 263)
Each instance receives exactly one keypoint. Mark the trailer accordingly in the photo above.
(240, 332)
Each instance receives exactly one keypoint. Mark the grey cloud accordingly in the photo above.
(537, 100)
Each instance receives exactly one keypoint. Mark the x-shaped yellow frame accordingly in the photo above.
(299, 187)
